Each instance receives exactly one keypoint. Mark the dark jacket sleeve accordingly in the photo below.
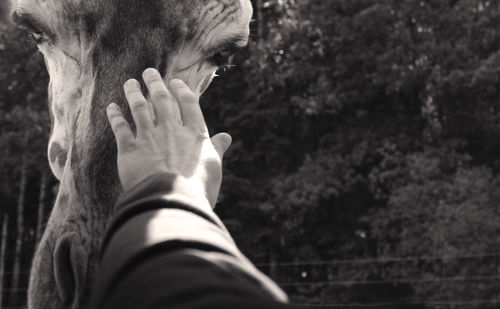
(166, 248)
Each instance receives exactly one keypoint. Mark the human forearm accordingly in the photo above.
(156, 223)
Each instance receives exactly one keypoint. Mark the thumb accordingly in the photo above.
(221, 143)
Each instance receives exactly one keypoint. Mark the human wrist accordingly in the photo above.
(168, 186)
(193, 190)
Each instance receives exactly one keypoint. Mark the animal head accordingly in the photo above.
(91, 47)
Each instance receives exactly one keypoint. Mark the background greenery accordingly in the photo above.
(365, 163)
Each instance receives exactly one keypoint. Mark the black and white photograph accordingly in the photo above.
(249, 154)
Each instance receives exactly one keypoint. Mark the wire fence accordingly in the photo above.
(297, 271)
(476, 302)
(381, 260)
(392, 281)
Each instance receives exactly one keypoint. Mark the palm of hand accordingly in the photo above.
(180, 147)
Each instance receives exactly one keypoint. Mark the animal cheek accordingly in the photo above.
(205, 83)
(197, 80)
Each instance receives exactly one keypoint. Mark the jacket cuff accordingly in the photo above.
(160, 191)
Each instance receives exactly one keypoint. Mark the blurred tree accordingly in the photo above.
(328, 112)
(3, 250)
(24, 129)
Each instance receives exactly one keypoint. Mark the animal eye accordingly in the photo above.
(39, 37)
(221, 59)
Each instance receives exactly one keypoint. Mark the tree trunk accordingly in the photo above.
(3, 248)
(41, 206)
(20, 229)
(272, 267)
(260, 24)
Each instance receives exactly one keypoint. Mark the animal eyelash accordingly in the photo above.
(34, 33)
(39, 37)
(35, 28)
(227, 67)
(222, 59)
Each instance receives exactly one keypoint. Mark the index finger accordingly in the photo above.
(189, 105)
(120, 126)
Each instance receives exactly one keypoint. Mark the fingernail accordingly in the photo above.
(150, 71)
(113, 107)
(176, 82)
(132, 82)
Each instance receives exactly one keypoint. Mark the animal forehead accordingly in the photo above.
(189, 17)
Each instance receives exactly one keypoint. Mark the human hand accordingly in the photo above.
(178, 142)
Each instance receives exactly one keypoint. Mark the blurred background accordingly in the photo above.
(365, 166)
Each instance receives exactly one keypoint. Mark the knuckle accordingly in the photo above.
(218, 148)
(188, 97)
(151, 80)
(113, 117)
(177, 83)
(120, 124)
(199, 133)
(128, 145)
(160, 94)
(140, 105)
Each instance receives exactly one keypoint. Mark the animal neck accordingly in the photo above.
(68, 252)
(89, 187)
(89, 184)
